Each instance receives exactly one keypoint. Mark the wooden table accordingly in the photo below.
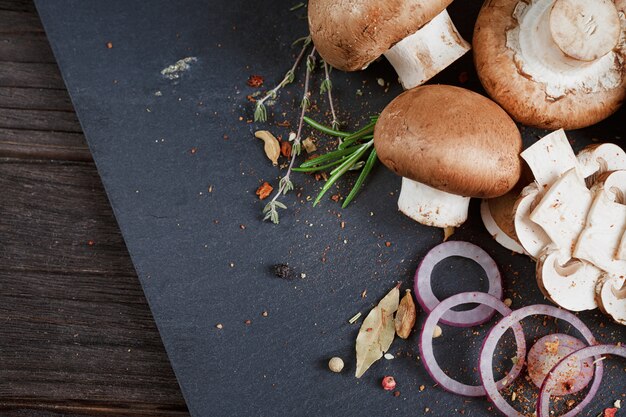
(76, 334)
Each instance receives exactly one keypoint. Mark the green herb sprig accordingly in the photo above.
(350, 154)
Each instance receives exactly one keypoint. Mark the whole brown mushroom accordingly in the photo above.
(553, 63)
(448, 144)
(416, 36)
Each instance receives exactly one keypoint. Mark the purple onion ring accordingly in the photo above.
(543, 402)
(485, 364)
(424, 292)
(426, 343)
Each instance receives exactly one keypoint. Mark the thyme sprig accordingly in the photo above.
(260, 111)
(285, 185)
(348, 156)
(326, 87)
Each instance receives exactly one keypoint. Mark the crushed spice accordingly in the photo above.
(255, 81)
(283, 271)
(264, 190)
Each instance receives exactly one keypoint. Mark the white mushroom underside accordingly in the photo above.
(419, 57)
(563, 210)
(609, 302)
(530, 235)
(569, 283)
(537, 57)
(601, 158)
(432, 207)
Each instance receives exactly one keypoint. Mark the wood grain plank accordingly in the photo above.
(37, 144)
(18, 6)
(35, 99)
(77, 334)
(46, 120)
(25, 47)
(31, 75)
(28, 408)
(19, 22)
(48, 215)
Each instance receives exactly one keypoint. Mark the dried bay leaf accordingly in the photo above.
(377, 332)
(406, 315)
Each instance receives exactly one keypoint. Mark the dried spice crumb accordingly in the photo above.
(265, 314)
(193, 151)
(437, 332)
(396, 394)
(90, 243)
(508, 302)
(335, 197)
(264, 190)
(285, 149)
(255, 81)
(283, 271)
(219, 326)
(248, 322)
(388, 383)
(109, 45)
(388, 244)
(422, 388)
(610, 412)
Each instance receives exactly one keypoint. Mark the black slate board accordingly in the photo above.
(158, 155)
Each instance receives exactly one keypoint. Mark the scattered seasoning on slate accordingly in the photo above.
(283, 271)
(255, 81)
(265, 314)
(388, 383)
(248, 322)
(219, 326)
(264, 190)
(610, 412)
(91, 243)
(396, 394)
(109, 45)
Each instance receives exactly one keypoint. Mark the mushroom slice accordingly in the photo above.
(606, 223)
(568, 282)
(530, 235)
(550, 157)
(563, 209)
(621, 251)
(497, 216)
(611, 297)
(417, 36)
(553, 63)
(432, 207)
(600, 158)
(419, 57)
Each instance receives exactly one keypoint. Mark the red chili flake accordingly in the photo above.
(463, 77)
(255, 81)
(396, 394)
(610, 412)
(193, 150)
(264, 190)
(109, 45)
(91, 243)
(335, 197)
(248, 322)
(369, 329)
(388, 244)
(250, 98)
(285, 149)
(284, 123)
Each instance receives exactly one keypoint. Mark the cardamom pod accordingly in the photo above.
(405, 317)
(272, 147)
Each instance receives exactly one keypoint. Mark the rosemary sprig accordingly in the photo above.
(285, 184)
(347, 157)
(326, 87)
(260, 112)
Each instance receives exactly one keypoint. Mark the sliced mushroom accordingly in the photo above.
(568, 282)
(476, 155)
(530, 235)
(563, 209)
(600, 158)
(416, 36)
(611, 297)
(553, 64)
(606, 223)
(550, 157)
(621, 251)
(497, 216)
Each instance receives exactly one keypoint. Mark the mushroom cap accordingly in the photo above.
(451, 139)
(349, 34)
(524, 99)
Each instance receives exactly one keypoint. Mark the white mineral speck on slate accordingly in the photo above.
(173, 72)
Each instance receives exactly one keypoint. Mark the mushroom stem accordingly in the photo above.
(620, 293)
(566, 44)
(430, 206)
(424, 54)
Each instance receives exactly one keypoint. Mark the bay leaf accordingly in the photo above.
(377, 332)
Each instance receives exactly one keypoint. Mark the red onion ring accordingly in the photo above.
(485, 363)
(424, 292)
(426, 343)
(541, 360)
(543, 402)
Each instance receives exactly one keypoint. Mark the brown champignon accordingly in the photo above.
(449, 144)
(416, 36)
(553, 64)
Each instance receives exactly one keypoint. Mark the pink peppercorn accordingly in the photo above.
(389, 384)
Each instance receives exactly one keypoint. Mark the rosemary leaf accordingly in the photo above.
(325, 129)
(327, 157)
(371, 161)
